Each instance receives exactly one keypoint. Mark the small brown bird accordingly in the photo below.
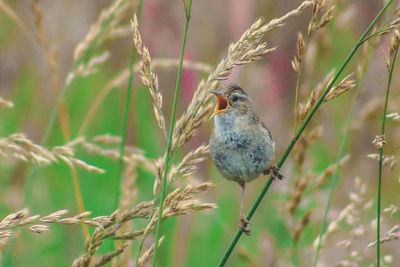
(240, 144)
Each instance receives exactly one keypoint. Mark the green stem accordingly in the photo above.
(126, 115)
(335, 177)
(117, 189)
(171, 130)
(380, 31)
(257, 202)
(378, 223)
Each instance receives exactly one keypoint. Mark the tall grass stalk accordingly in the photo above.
(188, 8)
(59, 111)
(126, 115)
(14, 16)
(299, 72)
(63, 117)
(303, 125)
(125, 120)
(378, 222)
(296, 98)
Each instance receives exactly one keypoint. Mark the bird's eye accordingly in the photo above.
(235, 98)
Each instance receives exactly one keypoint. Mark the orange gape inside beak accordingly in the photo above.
(222, 104)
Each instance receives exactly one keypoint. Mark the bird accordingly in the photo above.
(240, 144)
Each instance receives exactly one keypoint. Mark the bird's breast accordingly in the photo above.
(240, 151)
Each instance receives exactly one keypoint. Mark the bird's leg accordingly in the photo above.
(244, 224)
(274, 172)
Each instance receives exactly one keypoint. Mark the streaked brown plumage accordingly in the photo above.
(241, 145)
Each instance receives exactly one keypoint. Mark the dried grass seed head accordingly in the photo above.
(20, 147)
(108, 19)
(149, 253)
(379, 141)
(345, 85)
(388, 160)
(147, 75)
(394, 116)
(105, 259)
(316, 93)
(394, 42)
(301, 46)
(326, 18)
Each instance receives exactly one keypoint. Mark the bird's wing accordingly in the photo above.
(255, 120)
(263, 125)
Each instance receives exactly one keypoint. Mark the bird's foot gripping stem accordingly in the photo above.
(274, 172)
(244, 225)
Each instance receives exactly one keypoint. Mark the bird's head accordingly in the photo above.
(232, 99)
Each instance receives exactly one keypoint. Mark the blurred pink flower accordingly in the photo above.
(278, 77)
(188, 77)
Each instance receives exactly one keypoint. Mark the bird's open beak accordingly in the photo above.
(222, 103)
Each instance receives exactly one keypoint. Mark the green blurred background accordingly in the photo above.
(198, 239)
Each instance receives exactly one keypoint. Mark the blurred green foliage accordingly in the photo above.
(207, 233)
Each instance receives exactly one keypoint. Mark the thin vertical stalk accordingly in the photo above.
(63, 117)
(53, 116)
(117, 189)
(378, 222)
(11, 13)
(336, 176)
(188, 8)
(296, 98)
(60, 112)
(297, 94)
(126, 115)
(303, 125)
(30, 179)
(79, 199)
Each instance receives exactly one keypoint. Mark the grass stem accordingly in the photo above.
(126, 115)
(188, 8)
(296, 99)
(378, 217)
